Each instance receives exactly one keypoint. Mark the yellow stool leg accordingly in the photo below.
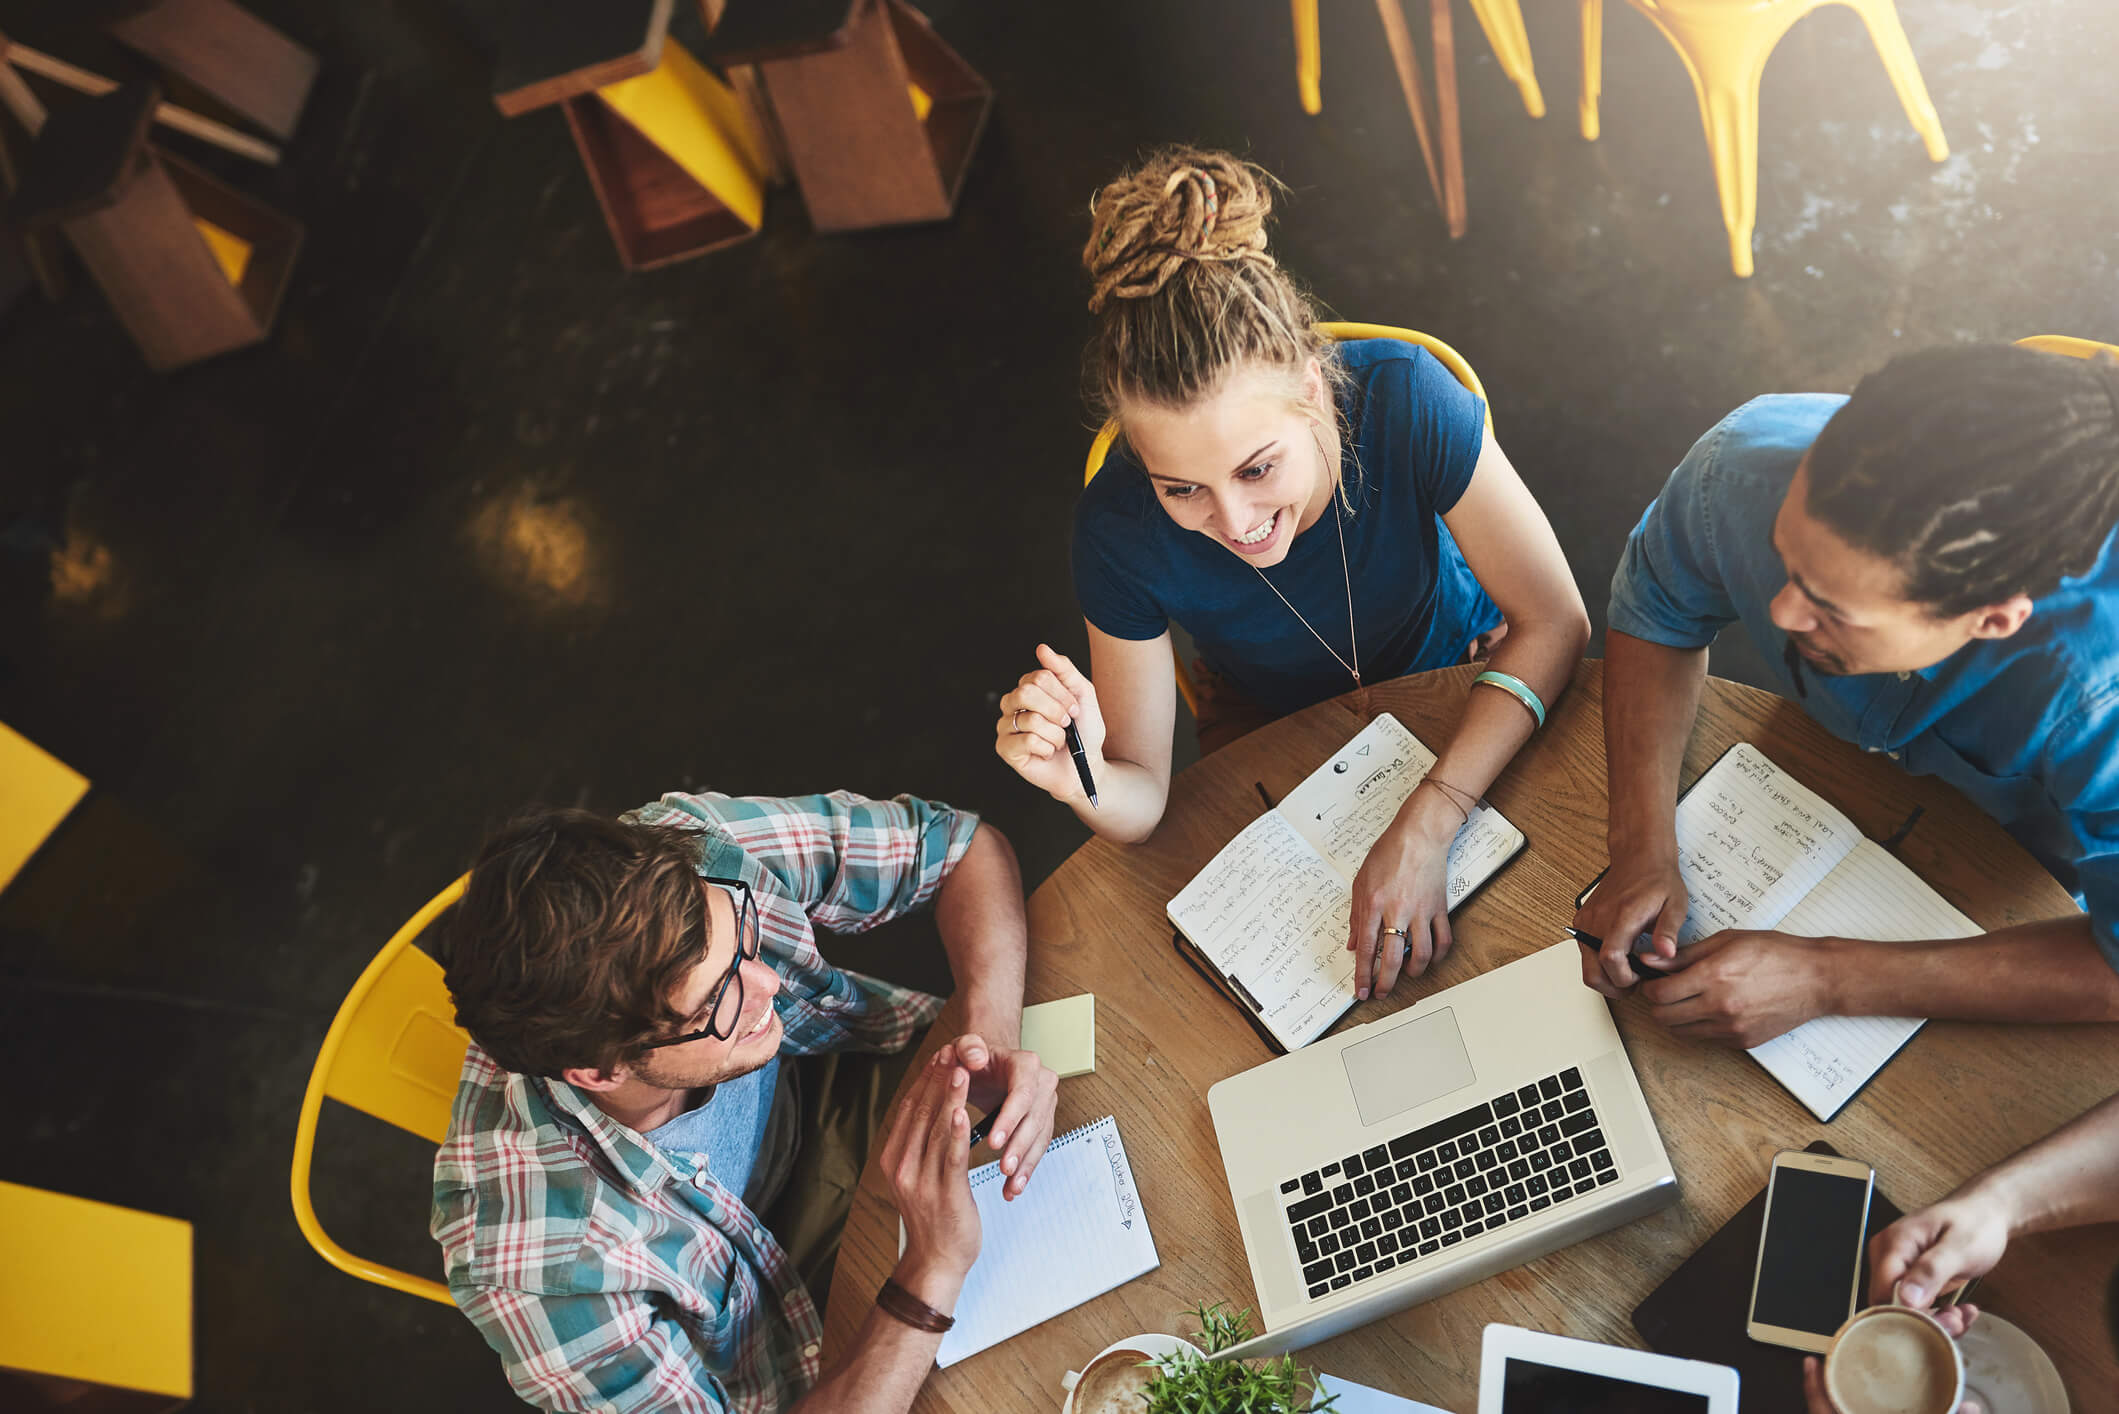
(1503, 22)
(1889, 36)
(1730, 110)
(1309, 58)
(1592, 66)
(1725, 53)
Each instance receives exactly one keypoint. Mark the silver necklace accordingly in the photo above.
(1353, 643)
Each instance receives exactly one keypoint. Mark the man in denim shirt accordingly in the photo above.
(1930, 564)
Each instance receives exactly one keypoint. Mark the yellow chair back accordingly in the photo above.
(1455, 362)
(2069, 345)
(393, 1051)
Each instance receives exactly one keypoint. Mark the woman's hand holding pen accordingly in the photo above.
(1400, 920)
(1031, 735)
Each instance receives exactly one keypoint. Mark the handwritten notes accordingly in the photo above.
(1752, 840)
(1870, 895)
(1759, 849)
(1272, 909)
(1076, 1232)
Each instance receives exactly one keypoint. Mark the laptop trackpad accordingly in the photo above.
(1407, 1065)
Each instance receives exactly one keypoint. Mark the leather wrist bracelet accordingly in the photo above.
(895, 1301)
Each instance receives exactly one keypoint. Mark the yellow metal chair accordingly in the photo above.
(1725, 44)
(37, 792)
(1449, 358)
(95, 1305)
(394, 1050)
(2069, 345)
(1501, 19)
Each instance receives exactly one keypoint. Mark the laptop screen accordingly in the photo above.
(1531, 1388)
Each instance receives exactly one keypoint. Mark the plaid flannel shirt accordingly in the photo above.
(613, 1276)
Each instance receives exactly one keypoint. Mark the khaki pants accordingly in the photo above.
(843, 1099)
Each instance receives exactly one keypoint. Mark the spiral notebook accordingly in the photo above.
(1269, 915)
(1074, 1233)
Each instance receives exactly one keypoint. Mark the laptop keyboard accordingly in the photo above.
(1479, 1170)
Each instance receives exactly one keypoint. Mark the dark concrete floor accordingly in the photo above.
(488, 521)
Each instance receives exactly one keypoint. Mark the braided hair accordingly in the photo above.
(1182, 286)
(1982, 471)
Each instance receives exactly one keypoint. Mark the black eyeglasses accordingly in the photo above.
(726, 1005)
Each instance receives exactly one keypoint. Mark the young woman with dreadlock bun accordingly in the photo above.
(1319, 516)
(1929, 565)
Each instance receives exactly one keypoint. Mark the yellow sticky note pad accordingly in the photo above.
(922, 103)
(1063, 1033)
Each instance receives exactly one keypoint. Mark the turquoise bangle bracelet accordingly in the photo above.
(1516, 688)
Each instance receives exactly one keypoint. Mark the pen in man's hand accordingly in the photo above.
(980, 1130)
(1640, 953)
(1081, 762)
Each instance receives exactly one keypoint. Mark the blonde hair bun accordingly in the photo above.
(1183, 205)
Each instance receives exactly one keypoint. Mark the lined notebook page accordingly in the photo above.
(1272, 909)
(1270, 912)
(1752, 840)
(1825, 1062)
(1076, 1232)
(1348, 802)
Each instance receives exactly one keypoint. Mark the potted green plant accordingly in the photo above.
(1188, 1382)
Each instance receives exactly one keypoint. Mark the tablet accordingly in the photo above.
(1529, 1372)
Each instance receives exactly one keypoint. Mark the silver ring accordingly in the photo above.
(1015, 723)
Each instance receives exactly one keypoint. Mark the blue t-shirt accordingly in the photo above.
(2026, 726)
(1416, 438)
(740, 1135)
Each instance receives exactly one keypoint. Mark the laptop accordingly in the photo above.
(1529, 1372)
(1485, 1126)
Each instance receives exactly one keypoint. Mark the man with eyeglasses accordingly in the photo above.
(636, 1195)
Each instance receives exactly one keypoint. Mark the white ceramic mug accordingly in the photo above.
(1911, 1381)
(1150, 1345)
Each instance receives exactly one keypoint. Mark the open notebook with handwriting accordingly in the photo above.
(1759, 849)
(1269, 915)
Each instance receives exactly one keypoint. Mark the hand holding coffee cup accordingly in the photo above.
(1893, 1359)
(1938, 1249)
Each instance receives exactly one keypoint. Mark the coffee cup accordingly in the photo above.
(1116, 1382)
(1894, 1360)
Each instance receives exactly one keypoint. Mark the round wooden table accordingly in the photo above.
(1961, 1096)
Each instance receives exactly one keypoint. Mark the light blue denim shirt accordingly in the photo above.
(2026, 726)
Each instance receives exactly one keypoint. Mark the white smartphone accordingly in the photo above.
(1809, 1249)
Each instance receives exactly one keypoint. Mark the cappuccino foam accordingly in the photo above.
(1116, 1384)
(1891, 1363)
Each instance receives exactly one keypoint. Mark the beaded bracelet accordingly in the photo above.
(1516, 688)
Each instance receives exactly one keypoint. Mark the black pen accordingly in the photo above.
(1591, 940)
(1081, 762)
(980, 1130)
